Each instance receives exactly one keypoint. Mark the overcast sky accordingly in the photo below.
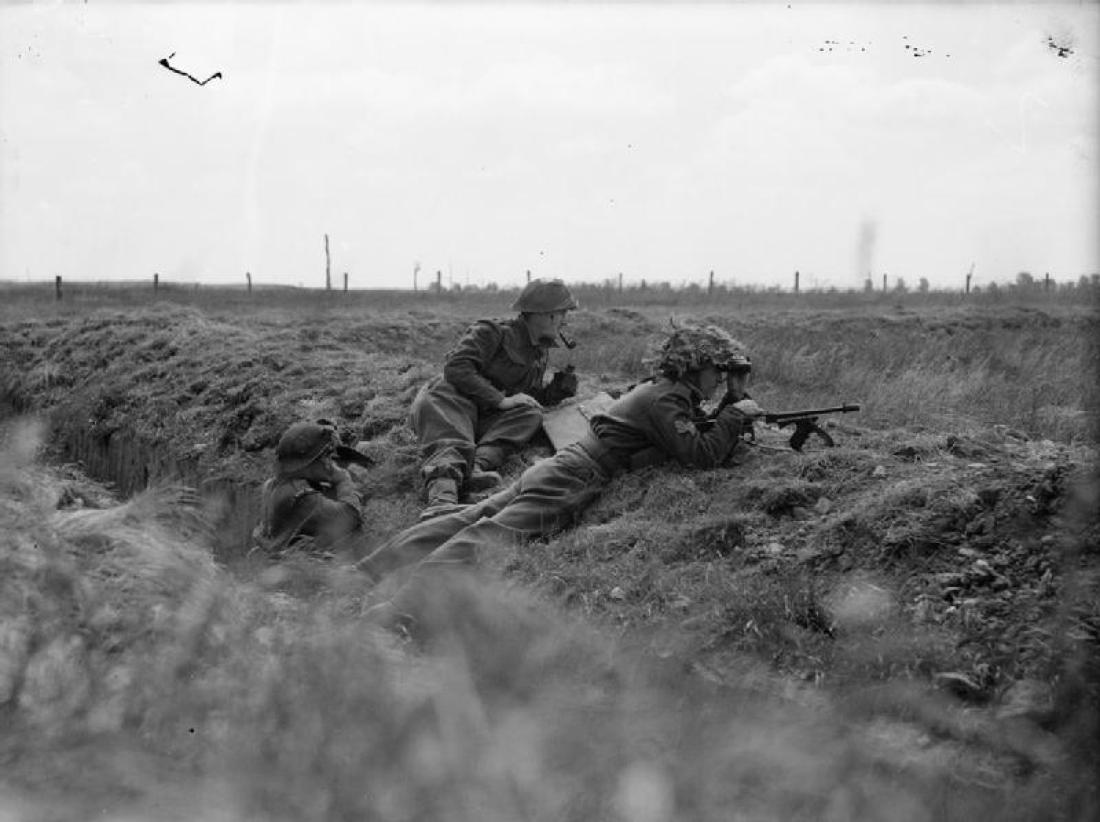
(580, 141)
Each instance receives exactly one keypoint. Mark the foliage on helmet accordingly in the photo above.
(691, 347)
(543, 296)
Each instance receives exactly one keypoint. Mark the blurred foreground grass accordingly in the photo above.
(270, 698)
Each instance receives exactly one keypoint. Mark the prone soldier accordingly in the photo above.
(490, 397)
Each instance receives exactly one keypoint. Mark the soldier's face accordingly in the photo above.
(708, 380)
(546, 325)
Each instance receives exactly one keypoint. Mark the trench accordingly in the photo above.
(129, 462)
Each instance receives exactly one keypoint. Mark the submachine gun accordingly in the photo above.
(805, 424)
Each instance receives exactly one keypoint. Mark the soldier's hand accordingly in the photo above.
(749, 408)
(339, 475)
(564, 384)
(516, 400)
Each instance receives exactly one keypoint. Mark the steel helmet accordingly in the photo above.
(304, 442)
(543, 296)
(689, 348)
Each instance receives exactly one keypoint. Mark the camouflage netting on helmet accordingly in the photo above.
(689, 348)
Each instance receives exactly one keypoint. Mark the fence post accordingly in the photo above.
(795, 282)
(710, 283)
(620, 282)
(528, 275)
(1046, 282)
(328, 267)
(345, 282)
(156, 282)
(438, 281)
(57, 287)
(248, 277)
(883, 283)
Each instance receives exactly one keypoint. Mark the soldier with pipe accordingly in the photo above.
(489, 399)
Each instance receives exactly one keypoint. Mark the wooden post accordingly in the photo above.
(439, 281)
(156, 282)
(528, 275)
(248, 277)
(710, 283)
(620, 282)
(57, 287)
(328, 267)
(416, 271)
(1046, 282)
(795, 282)
(884, 283)
(345, 282)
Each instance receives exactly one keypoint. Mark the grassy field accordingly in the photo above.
(902, 627)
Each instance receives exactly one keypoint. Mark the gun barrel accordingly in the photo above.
(791, 416)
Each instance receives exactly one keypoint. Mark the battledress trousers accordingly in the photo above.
(455, 416)
(652, 422)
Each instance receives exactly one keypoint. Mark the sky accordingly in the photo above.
(660, 141)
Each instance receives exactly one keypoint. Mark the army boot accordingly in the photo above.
(442, 498)
(483, 477)
(481, 481)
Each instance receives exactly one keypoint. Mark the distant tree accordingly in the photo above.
(868, 286)
(922, 286)
(993, 288)
(899, 286)
(1024, 281)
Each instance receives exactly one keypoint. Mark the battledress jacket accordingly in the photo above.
(293, 507)
(496, 359)
(658, 420)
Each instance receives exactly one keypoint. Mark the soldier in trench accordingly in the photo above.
(489, 399)
(656, 420)
(311, 503)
